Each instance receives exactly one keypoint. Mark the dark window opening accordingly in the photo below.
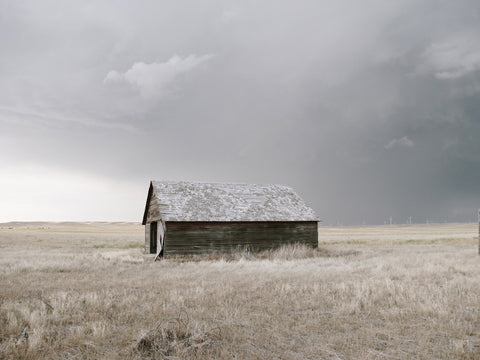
(153, 237)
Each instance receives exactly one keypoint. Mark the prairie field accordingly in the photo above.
(86, 291)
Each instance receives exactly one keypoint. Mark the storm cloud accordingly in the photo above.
(368, 109)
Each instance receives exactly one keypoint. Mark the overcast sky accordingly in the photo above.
(368, 109)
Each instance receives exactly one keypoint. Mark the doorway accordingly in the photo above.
(153, 237)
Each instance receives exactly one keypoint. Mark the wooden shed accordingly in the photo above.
(193, 217)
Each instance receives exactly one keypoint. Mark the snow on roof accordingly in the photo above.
(197, 201)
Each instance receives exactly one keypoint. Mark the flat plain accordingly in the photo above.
(85, 291)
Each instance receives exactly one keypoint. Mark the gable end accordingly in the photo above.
(149, 196)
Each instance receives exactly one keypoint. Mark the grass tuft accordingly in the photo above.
(176, 337)
(288, 252)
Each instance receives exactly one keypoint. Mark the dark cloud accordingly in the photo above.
(369, 109)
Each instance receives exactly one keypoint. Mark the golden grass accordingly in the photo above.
(86, 291)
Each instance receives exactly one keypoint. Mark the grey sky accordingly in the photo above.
(368, 109)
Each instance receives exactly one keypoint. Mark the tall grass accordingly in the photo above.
(64, 298)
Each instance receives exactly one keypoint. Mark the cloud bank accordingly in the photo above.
(153, 80)
(454, 57)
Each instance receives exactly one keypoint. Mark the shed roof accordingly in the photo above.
(223, 202)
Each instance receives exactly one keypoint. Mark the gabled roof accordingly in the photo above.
(220, 202)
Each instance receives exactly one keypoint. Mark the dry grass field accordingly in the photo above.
(85, 291)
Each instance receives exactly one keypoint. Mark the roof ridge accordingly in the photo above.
(218, 182)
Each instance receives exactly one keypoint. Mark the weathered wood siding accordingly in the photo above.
(184, 238)
(147, 238)
(153, 214)
(154, 210)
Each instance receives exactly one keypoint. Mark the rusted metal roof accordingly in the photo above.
(223, 202)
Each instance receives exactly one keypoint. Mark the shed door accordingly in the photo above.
(153, 237)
